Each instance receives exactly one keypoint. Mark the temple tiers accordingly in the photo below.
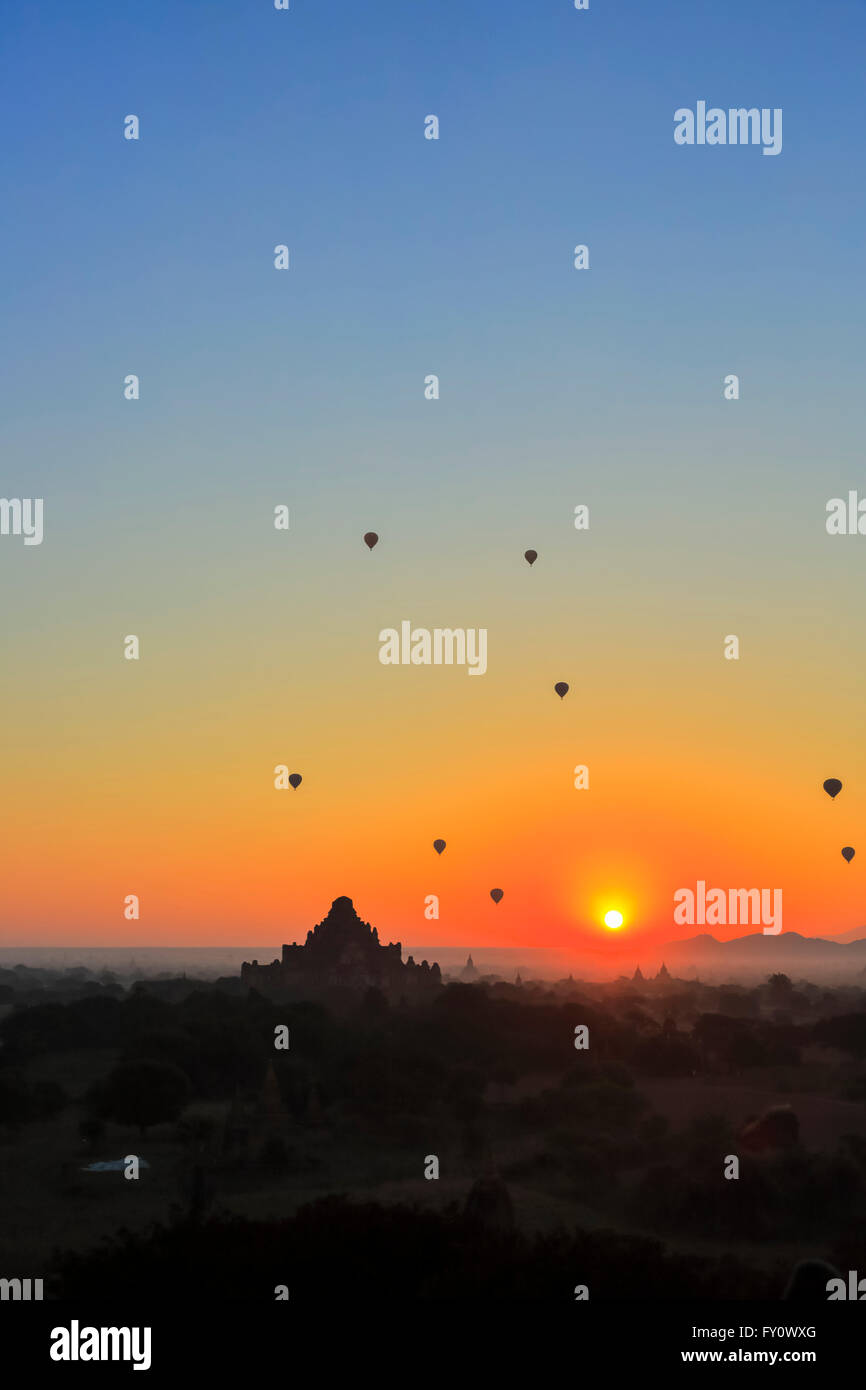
(342, 952)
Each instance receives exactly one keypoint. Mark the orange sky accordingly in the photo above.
(156, 778)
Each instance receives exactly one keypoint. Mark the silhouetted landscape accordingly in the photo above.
(264, 1166)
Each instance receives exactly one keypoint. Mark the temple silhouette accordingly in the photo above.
(343, 953)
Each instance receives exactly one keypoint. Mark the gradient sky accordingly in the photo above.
(602, 387)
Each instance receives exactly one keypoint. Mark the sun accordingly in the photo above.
(613, 918)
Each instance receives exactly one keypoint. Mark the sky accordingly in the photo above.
(602, 387)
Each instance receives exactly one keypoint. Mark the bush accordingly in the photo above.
(141, 1093)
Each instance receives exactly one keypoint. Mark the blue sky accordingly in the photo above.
(412, 256)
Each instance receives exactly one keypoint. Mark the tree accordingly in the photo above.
(780, 986)
(22, 1101)
(91, 1130)
(845, 1031)
(142, 1093)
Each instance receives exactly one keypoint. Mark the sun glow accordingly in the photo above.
(613, 918)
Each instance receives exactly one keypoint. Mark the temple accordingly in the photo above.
(342, 953)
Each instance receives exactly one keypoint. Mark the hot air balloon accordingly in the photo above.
(832, 786)
(496, 894)
(438, 845)
(295, 779)
(371, 539)
(561, 689)
(847, 854)
(530, 556)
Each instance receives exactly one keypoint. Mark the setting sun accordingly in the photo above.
(613, 918)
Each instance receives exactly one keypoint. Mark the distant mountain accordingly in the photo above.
(786, 940)
(855, 934)
(757, 952)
